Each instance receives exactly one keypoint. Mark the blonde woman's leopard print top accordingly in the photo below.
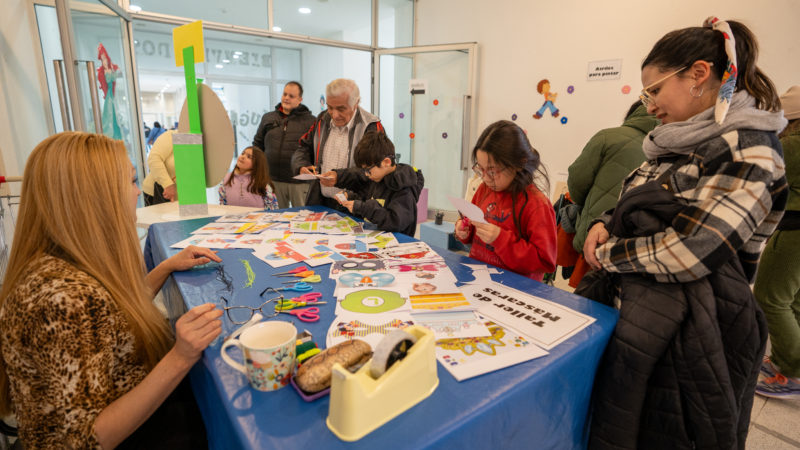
(68, 353)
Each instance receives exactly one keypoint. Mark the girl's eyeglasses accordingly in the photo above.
(490, 172)
(239, 315)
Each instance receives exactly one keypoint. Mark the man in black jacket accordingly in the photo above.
(278, 135)
(383, 192)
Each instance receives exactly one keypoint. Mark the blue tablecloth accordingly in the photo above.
(541, 403)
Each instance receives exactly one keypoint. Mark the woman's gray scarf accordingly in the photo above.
(682, 138)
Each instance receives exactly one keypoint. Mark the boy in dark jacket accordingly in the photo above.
(381, 191)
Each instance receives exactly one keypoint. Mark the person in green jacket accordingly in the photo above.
(595, 178)
(777, 287)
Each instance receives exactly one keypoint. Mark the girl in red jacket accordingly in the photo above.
(521, 231)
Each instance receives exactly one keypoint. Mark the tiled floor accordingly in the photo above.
(774, 423)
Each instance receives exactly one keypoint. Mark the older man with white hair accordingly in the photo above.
(330, 143)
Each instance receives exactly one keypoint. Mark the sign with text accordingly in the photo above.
(416, 86)
(604, 70)
(546, 323)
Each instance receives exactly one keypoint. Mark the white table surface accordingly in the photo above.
(168, 212)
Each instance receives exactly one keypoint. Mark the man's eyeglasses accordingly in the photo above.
(490, 172)
(239, 315)
(647, 97)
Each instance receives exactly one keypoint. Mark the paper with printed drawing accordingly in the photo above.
(279, 254)
(469, 357)
(449, 325)
(371, 301)
(370, 329)
(467, 209)
(223, 228)
(546, 323)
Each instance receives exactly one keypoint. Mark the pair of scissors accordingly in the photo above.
(311, 279)
(311, 297)
(303, 300)
(297, 287)
(291, 272)
(303, 274)
(305, 314)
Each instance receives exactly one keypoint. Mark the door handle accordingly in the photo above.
(58, 65)
(98, 122)
(465, 123)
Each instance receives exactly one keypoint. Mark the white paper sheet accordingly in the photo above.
(545, 322)
(450, 325)
(467, 209)
(310, 176)
(469, 357)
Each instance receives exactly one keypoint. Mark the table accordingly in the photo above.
(541, 403)
(166, 212)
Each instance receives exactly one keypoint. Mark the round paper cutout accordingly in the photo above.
(372, 301)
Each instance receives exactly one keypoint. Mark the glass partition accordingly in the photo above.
(246, 72)
(101, 70)
(395, 23)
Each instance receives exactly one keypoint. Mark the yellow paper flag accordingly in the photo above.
(189, 35)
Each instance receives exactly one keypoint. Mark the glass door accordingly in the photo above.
(88, 64)
(424, 98)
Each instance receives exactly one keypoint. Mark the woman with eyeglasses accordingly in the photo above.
(684, 240)
(520, 229)
(87, 359)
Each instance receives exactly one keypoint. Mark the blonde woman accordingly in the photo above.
(86, 356)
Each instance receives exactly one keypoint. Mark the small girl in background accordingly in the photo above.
(249, 184)
(521, 231)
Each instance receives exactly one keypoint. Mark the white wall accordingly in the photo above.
(521, 42)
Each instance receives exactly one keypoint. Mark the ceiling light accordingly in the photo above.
(219, 66)
(235, 56)
(276, 29)
(237, 52)
(134, 8)
(226, 61)
(304, 10)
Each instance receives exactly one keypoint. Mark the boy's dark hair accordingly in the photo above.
(372, 148)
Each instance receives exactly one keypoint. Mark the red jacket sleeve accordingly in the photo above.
(538, 253)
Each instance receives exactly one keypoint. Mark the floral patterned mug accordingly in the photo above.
(269, 354)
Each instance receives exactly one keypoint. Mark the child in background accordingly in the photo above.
(385, 192)
(521, 231)
(249, 183)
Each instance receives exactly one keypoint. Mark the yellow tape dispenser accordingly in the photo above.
(401, 374)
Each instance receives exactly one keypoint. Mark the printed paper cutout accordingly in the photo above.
(367, 328)
(451, 325)
(355, 279)
(469, 357)
(372, 301)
